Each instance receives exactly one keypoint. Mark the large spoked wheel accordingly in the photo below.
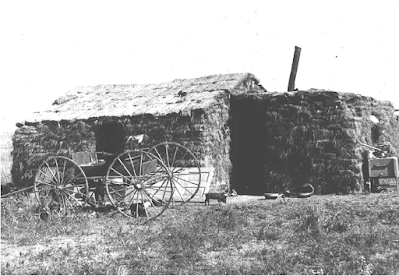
(183, 170)
(61, 185)
(137, 184)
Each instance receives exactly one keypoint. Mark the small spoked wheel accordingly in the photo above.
(61, 185)
(183, 170)
(137, 184)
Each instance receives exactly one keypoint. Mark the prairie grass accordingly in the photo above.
(353, 234)
(6, 158)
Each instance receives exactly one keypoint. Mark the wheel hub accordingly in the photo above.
(139, 186)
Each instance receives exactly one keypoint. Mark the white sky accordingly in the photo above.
(50, 47)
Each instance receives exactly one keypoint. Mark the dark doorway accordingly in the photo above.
(110, 138)
(248, 142)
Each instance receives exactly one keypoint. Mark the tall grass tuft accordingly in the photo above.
(316, 220)
(6, 158)
(321, 235)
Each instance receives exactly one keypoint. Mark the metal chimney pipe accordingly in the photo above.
(294, 69)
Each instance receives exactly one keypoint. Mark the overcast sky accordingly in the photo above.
(50, 47)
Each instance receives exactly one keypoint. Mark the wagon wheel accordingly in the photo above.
(137, 183)
(61, 185)
(183, 167)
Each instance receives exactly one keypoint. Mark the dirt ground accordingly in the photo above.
(10, 252)
(94, 237)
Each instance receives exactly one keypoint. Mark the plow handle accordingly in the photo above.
(371, 147)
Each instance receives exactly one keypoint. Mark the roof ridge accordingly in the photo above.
(158, 99)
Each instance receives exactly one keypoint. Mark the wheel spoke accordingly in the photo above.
(71, 195)
(167, 155)
(51, 171)
(131, 192)
(127, 200)
(188, 173)
(181, 196)
(131, 163)
(185, 188)
(152, 180)
(51, 175)
(115, 191)
(142, 202)
(118, 194)
(159, 155)
(137, 205)
(70, 204)
(174, 156)
(168, 183)
(74, 177)
(125, 177)
(44, 183)
(63, 174)
(152, 203)
(90, 199)
(156, 180)
(51, 180)
(150, 173)
(43, 191)
(159, 188)
(161, 170)
(120, 161)
(155, 196)
(141, 164)
(195, 184)
(58, 171)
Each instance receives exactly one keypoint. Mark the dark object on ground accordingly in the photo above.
(219, 196)
(158, 202)
(138, 208)
(380, 190)
(271, 195)
(105, 208)
(182, 93)
(303, 191)
(44, 216)
(233, 193)
(97, 187)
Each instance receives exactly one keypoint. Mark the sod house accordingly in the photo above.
(255, 140)
(192, 112)
(283, 140)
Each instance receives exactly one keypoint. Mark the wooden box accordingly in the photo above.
(384, 167)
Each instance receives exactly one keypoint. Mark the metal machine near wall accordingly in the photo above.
(383, 168)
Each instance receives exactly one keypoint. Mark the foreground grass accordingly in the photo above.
(6, 158)
(356, 234)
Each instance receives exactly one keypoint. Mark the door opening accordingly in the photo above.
(110, 137)
(248, 142)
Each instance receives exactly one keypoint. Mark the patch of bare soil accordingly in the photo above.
(11, 252)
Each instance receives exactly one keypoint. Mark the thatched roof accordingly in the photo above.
(181, 95)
